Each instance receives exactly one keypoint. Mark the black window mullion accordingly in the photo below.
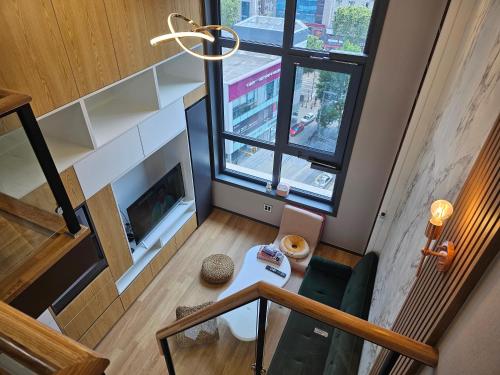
(248, 140)
(289, 26)
(305, 152)
(270, 49)
(354, 64)
(285, 101)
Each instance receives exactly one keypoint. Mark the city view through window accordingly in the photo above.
(251, 84)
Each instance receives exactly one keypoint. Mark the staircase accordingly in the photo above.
(227, 355)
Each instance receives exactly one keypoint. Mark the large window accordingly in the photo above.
(287, 100)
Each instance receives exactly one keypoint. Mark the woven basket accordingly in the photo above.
(217, 269)
(204, 333)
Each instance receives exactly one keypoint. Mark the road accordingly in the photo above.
(323, 139)
(294, 168)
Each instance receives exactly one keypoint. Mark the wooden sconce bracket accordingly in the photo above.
(445, 253)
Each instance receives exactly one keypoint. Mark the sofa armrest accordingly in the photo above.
(329, 266)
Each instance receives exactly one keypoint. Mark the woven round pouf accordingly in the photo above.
(217, 268)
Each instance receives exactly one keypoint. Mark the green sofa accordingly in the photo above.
(308, 346)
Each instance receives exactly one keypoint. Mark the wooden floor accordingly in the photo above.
(131, 344)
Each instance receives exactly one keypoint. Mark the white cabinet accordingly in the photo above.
(109, 162)
(162, 127)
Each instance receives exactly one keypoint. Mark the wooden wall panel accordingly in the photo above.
(91, 312)
(102, 325)
(136, 287)
(187, 229)
(83, 299)
(157, 11)
(435, 298)
(129, 31)
(34, 60)
(87, 38)
(194, 96)
(163, 257)
(9, 123)
(109, 228)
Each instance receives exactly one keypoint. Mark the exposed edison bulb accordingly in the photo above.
(440, 211)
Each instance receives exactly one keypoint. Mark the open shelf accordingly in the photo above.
(68, 138)
(118, 108)
(138, 180)
(67, 135)
(179, 75)
(20, 172)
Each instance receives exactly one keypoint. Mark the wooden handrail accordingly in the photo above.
(11, 100)
(42, 349)
(35, 215)
(378, 335)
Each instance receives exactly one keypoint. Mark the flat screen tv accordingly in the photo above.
(151, 207)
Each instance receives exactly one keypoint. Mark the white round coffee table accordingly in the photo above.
(243, 321)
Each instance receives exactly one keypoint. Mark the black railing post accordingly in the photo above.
(261, 334)
(168, 356)
(48, 166)
(389, 363)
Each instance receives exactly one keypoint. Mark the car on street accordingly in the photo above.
(323, 179)
(296, 129)
(308, 118)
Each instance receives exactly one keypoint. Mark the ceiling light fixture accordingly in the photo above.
(197, 31)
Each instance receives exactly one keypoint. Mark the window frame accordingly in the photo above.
(358, 65)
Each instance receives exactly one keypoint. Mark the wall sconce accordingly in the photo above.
(441, 210)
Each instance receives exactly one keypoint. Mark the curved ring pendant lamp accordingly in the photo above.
(197, 31)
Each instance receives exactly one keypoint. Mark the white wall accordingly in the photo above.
(471, 343)
(457, 110)
(407, 38)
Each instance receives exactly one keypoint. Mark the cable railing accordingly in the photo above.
(325, 321)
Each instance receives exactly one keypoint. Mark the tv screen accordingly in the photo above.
(151, 207)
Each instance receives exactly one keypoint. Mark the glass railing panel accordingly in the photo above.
(21, 176)
(296, 344)
(28, 220)
(9, 365)
(224, 345)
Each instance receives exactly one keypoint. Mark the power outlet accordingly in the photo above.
(268, 207)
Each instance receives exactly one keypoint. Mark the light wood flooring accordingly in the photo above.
(131, 344)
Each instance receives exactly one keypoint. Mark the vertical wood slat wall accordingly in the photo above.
(436, 297)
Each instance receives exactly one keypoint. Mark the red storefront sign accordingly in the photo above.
(254, 81)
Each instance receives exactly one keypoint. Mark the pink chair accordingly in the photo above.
(304, 223)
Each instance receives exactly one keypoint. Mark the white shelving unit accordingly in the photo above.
(128, 134)
(180, 74)
(68, 138)
(114, 110)
(20, 172)
(138, 180)
(89, 131)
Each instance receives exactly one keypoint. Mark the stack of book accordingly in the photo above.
(269, 253)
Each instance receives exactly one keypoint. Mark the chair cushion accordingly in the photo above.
(325, 281)
(303, 347)
(307, 224)
(345, 350)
